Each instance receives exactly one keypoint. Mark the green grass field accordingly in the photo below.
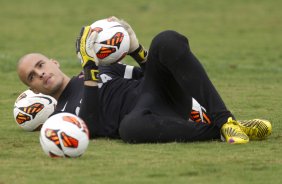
(239, 43)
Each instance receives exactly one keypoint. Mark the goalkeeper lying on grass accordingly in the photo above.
(151, 103)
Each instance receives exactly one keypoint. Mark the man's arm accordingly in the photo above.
(89, 111)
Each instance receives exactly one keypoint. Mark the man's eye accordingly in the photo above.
(31, 78)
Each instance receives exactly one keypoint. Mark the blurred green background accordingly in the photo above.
(239, 43)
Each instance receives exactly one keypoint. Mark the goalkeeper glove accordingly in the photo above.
(85, 53)
(136, 50)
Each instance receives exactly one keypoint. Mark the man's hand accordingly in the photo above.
(136, 50)
(134, 44)
(86, 54)
(85, 46)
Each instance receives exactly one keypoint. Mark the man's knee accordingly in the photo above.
(169, 46)
(170, 40)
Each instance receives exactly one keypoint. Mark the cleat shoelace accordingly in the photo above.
(232, 130)
(254, 128)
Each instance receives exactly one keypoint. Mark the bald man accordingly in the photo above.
(141, 104)
(42, 74)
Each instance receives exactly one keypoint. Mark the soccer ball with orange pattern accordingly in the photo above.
(112, 43)
(64, 135)
(31, 110)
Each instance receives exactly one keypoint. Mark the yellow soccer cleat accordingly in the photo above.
(232, 133)
(256, 129)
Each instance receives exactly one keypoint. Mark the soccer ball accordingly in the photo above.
(64, 135)
(112, 43)
(31, 110)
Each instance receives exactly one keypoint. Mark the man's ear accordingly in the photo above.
(34, 91)
(55, 62)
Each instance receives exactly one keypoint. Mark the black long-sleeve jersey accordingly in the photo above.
(119, 88)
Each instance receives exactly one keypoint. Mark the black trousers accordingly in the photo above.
(173, 76)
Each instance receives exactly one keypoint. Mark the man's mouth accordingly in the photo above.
(47, 80)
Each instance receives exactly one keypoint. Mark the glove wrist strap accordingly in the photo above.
(140, 54)
(91, 73)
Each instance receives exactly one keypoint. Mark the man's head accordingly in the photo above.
(42, 75)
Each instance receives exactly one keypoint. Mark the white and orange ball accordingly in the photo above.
(64, 135)
(112, 43)
(31, 110)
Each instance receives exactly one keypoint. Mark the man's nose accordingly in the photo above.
(40, 73)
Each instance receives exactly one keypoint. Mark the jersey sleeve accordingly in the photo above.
(133, 72)
(122, 71)
(89, 111)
